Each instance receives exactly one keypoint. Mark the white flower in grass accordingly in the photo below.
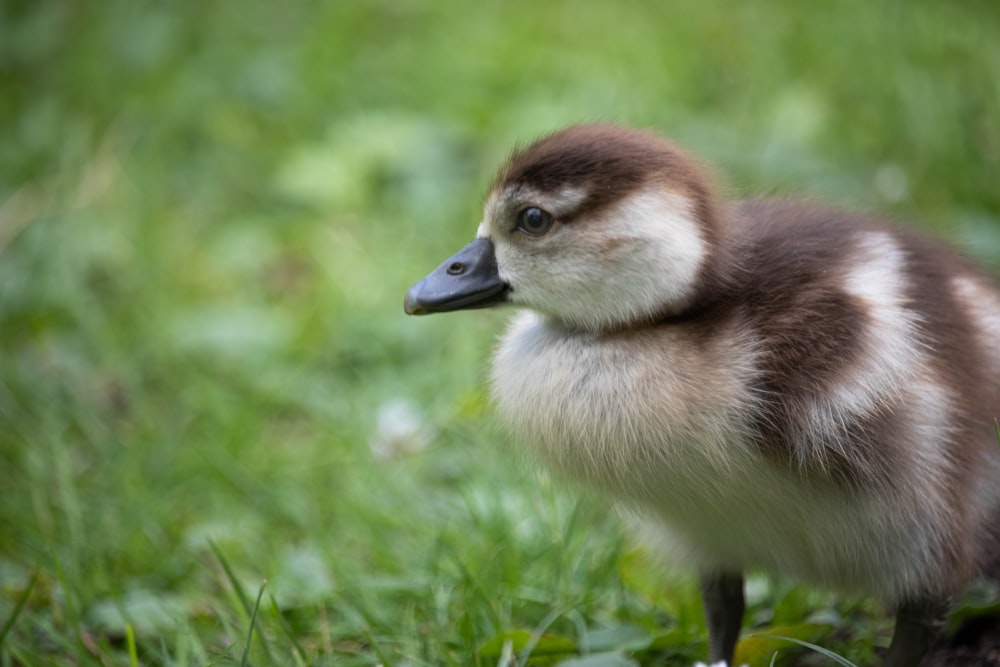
(400, 429)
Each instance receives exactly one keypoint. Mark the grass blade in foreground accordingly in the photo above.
(840, 660)
(21, 601)
(253, 618)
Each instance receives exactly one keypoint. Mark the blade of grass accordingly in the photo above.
(223, 655)
(21, 601)
(383, 657)
(133, 655)
(234, 582)
(253, 619)
(479, 590)
(506, 654)
(286, 628)
(536, 635)
(73, 616)
(840, 660)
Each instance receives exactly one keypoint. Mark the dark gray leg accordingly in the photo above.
(918, 623)
(722, 595)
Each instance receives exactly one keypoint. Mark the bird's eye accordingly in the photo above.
(534, 221)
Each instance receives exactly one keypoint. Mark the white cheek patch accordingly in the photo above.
(670, 240)
(639, 258)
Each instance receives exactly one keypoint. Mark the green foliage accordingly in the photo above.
(209, 213)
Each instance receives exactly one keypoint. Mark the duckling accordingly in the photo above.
(767, 384)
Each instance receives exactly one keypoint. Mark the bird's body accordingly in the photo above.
(812, 439)
(768, 384)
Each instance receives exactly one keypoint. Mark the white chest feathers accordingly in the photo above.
(660, 421)
(606, 408)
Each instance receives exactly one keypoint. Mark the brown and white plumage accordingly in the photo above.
(770, 384)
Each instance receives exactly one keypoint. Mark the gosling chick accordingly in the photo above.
(773, 385)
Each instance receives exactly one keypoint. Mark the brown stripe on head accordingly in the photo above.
(609, 163)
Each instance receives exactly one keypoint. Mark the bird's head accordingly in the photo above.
(594, 226)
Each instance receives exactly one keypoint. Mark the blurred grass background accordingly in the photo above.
(209, 214)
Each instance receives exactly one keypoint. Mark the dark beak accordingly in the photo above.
(468, 279)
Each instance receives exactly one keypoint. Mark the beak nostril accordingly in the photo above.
(456, 268)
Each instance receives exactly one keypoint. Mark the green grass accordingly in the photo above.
(209, 214)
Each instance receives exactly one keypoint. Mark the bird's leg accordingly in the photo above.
(918, 623)
(722, 595)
